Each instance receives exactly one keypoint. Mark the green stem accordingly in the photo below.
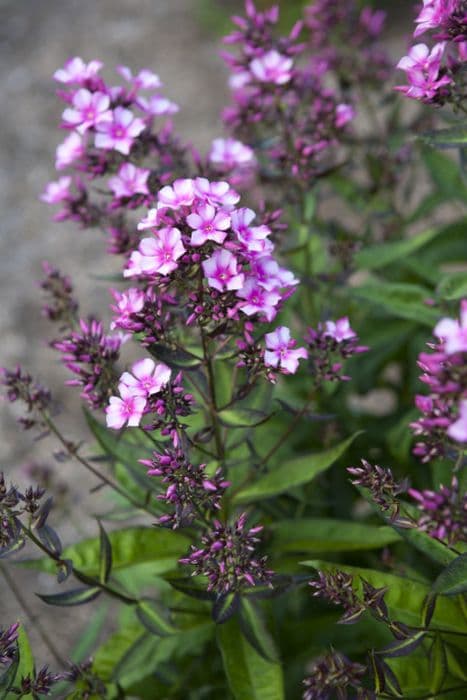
(212, 401)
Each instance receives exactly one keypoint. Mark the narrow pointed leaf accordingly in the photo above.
(438, 664)
(253, 626)
(77, 596)
(402, 647)
(186, 585)
(224, 607)
(152, 616)
(453, 579)
(242, 417)
(8, 677)
(105, 555)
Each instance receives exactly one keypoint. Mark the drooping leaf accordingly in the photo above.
(254, 627)
(453, 286)
(105, 555)
(378, 256)
(453, 579)
(399, 299)
(224, 607)
(176, 358)
(77, 596)
(445, 173)
(328, 535)
(26, 659)
(152, 615)
(242, 417)
(294, 472)
(402, 647)
(187, 586)
(250, 676)
(438, 664)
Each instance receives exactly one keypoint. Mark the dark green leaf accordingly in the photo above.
(438, 664)
(105, 555)
(400, 300)
(453, 286)
(378, 256)
(445, 173)
(152, 615)
(77, 596)
(224, 607)
(186, 586)
(452, 137)
(26, 658)
(174, 357)
(294, 472)
(453, 579)
(250, 676)
(253, 626)
(242, 417)
(402, 647)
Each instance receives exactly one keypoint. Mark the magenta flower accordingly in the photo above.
(229, 153)
(423, 72)
(281, 351)
(157, 255)
(118, 131)
(145, 80)
(252, 237)
(258, 300)
(221, 270)
(209, 225)
(146, 378)
(126, 408)
(339, 330)
(129, 181)
(216, 193)
(69, 151)
(157, 106)
(151, 220)
(180, 194)
(128, 303)
(344, 114)
(452, 332)
(88, 108)
(433, 14)
(272, 67)
(58, 191)
(458, 430)
(270, 275)
(76, 71)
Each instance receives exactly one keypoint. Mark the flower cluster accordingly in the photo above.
(280, 102)
(444, 410)
(383, 488)
(227, 559)
(39, 682)
(434, 75)
(20, 386)
(8, 646)
(91, 355)
(328, 345)
(333, 675)
(444, 512)
(61, 306)
(190, 490)
(337, 587)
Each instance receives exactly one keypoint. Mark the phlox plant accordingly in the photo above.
(277, 402)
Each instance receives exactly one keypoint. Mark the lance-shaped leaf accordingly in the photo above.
(7, 679)
(453, 286)
(452, 137)
(250, 676)
(243, 417)
(453, 579)
(77, 596)
(151, 614)
(105, 555)
(185, 585)
(438, 664)
(294, 472)
(402, 647)
(176, 358)
(253, 626)
(378, 256)
(225, 606)
(26, 659)
(384, 678)
(399, 299)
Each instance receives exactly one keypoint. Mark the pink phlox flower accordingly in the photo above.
(258, 300)
(239, 79)
(118, 131)
(230, 153)
(145, 80)
(344, 114)
(281, 351)
(453, 332)
(339, 330)
(126, 408)
(180, 194)
(270, 275)
(75, 71)
(88, 109)
(216, 193)
(128, 303)
(272, 67)
(209, 224)
(372, 21)
(252, 237)
(69, 151)
(151, 220)
(157, 106)
(221, 270)
(433, 14)
(422, 68)
(458, 430)
(129, 181)
(157, 255)
(58, 191)
(146, 378)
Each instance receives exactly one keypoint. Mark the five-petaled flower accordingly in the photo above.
(281, 351)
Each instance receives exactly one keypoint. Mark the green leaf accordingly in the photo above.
(105, 555)
(378, 256)
(400, 299)
(435, 550)
(405, 597)
(130, 546)
(453, 579)
(253, 626)
(445, 173)
(438, 664)
(77, 596)
(224, 607)
(328, 535)
(88, 637)
(453, 286)
(242, 417)
(7, 679)
(454, 136)
(153, 617)
(250, 676)
(26, 658)
(176, 358)
(294, 472)
(402, 647)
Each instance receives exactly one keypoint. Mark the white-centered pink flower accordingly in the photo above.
(227, 154)
(433, 14)
(272, 67)
(70, 150)
(339, 330)
(420, 62)
(258, 300)
(270, 275)
(458, 430)
(128, 408)
(209, 224)
(57, 191)
(151, 220)
(146, 378)
(75, 71)
(127, 303)
(344, 114)
(453, 332)
(281, 351)
(118, 131)
(130, 180)
(180, 194)
(87, 110)
(157, 255)
(157, 106)
(216, 193)
(145, 80)
(222, 272)
(252, 237)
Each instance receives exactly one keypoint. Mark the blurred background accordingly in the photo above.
(179, 40)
